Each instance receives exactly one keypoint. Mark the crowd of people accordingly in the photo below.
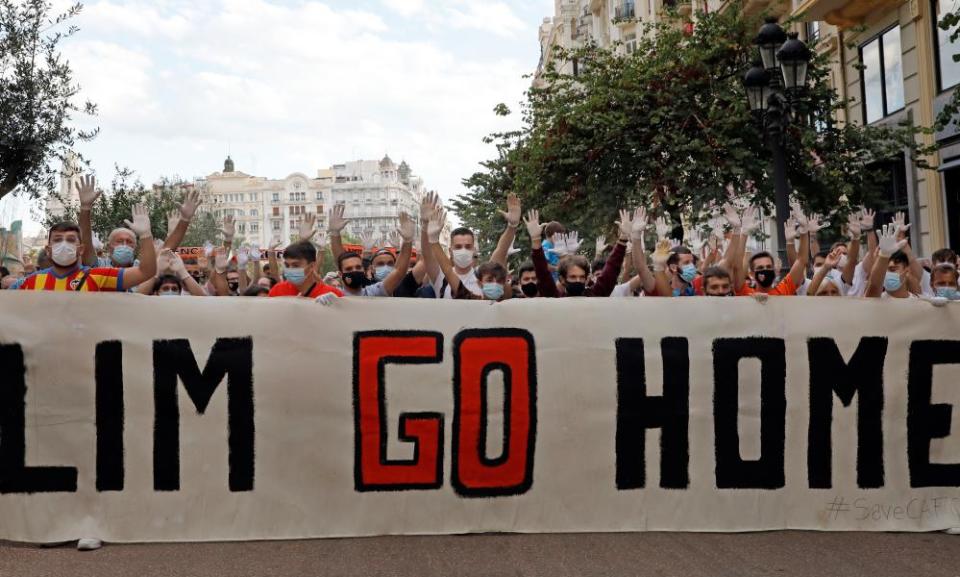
(717, 264)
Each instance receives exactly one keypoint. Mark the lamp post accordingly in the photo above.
(773, 86)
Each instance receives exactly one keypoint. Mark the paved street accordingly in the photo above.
(660, 554)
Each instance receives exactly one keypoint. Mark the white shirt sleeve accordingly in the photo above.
(859, 286)
(622, 290)
(926, 285)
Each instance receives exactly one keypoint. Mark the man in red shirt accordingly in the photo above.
(301, 278)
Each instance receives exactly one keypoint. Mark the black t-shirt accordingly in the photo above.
(408, 287)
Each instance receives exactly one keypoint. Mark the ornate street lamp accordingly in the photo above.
(794, 58)
(785, 60)
(769, 40)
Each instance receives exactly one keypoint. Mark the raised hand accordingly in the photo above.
(191, 202)
(732, 215)
(220, 261)
(427, 205)
(750, 220)
(625, 224)
(173, 220)
(255, 254)
(307, 229)
(165, 262)
(573, 242)
(601, 246)
(87, 191)
(800, 217)
(407, 228)
(661, 254)
(833, 259)
(320, 240)
(513, 212)
(367, 239)
(790, 229)
(867, 218)
(560, 245)
(533, 224)
(335, 221)
(512, 250)
(243, 257)
(176, 265)
(888, 242)
(140, 224)
(435, 226)
(663, 227)
(229, 229)
(854, 226)
(275, 244)
(208, 249)
(815, 225)
(900, 220)
(326, 299)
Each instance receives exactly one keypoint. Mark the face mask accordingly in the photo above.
(530, 289)
(64, 253)
(892, 282)
(463, 258)
(382, 272)
(233, 286)
(354, 280)
(295, 275)
(948, 293)
(169, 293)
(843, 262)
(816, 270)
(493, 291)
(765, 278)
(688, 273)
(576, 289)
(123, 255)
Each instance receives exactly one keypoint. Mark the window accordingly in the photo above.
(882, 76)
(276, 225)
(276, 197)
(895, 197)
(630, 43)
(276, 211)
(948, 71)
(253, 212)
(254, 227)
(319, 195)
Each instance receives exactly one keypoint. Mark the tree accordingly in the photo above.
(37, 96)
(116, 205)
(668, 126)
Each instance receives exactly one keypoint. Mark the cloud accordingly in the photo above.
(405, 8)
(293, 86)
(494, 17)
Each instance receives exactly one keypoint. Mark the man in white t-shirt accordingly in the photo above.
(889, 276)
(942, 256)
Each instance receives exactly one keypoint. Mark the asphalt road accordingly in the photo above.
(660, 554)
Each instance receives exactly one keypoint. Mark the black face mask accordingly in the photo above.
(530, 289)
(575, 289)
(355, 280)
(765, 278)
(233, 286)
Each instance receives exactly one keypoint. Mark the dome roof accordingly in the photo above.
(387, 163)
(228, 165)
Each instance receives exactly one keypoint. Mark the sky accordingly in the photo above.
(288, 86)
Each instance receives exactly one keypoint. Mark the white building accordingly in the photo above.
(374, 193)
(70, 172)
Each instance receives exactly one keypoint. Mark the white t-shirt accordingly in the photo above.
(468, 279)
(622, 290)
(834, 275)
(859, 286)
(926, 285)
(886, 295)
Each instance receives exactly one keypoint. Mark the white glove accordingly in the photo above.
(867, 217)
(208, 249)
(335, 220)
(513, 213)
(407, 228)
(87, 191)
(533, 224)
(560, 245)
(306, 229)
(512, 250)
(887, 242)
(573, 242)
(191, 202)
(435, 227)
(140, 224)
(326, 299)
(368, 240)
(243, 257)
(663, 228)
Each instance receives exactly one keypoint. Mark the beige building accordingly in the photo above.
(374, 192)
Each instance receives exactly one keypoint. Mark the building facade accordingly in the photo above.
(374, 193)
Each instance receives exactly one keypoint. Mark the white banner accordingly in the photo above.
(149, 419)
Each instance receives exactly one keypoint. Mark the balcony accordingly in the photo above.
(624, 11)
(842, 13)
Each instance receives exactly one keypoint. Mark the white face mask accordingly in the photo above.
(64, 253)
(843, 262)
(463, 258)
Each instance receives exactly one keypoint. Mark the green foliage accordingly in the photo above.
(37, 96)
(668, 127)
(116, 205)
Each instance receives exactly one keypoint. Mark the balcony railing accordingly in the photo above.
(625, 11)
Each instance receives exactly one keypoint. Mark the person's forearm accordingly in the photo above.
(191, 285)
(607, 280)
(853, 256)
(798, 272)
(219, 281)
(662, 284)
(915, 267)
(814, 246)
(148, 257)
(244, 281)
(257, 271)
(647, 281)
(503, 245)
(86, 236)
(274, 264)
(176, 237)
(394, 279)
(446, 267)
(146, 287)
(877, 274)
(791, 253)
(545, 282)
(430, 268)
(817, 280)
